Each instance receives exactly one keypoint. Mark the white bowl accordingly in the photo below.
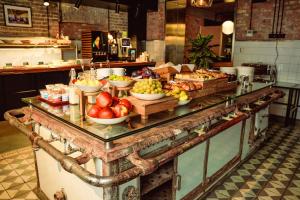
(107, 121)
(147, 97)
(86, 88)
(181, 103)
(120, 83)
(103, 72)
(118, 71)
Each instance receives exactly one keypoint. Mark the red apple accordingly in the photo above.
(126, 103)
(94, 111)
(106, 113)
(104, 99)
(116, 100)
(120, 110)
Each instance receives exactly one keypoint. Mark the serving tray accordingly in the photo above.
(51, 103)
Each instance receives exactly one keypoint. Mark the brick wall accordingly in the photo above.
(156, 23)
(39, 19)
(118, 21)
(263, 19)
(91, 18)
(73, 22)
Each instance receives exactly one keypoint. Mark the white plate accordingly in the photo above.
(108, 121)
(89, 88)
(181, 103)
(147, 97)
(120, 83)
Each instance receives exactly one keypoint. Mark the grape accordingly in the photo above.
(148, 86)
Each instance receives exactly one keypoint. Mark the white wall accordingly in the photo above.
(288, 61)
(17, 56)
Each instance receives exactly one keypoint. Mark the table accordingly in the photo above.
(293, 101)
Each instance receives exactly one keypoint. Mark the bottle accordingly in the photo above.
(73, 96)
(72, 75)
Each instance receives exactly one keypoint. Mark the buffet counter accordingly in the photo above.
(175, 154)
(67, 67)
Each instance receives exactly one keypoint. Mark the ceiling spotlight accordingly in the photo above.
(77, 4)
(46, 3)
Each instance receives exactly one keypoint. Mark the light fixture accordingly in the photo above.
(201, 3)
(46, 3)
(77, 4)
(117, 6)
(227, 27)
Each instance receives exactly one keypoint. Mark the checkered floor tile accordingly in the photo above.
(272, 173)
(17, 175)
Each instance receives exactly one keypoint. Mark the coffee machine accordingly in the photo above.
(113, 46)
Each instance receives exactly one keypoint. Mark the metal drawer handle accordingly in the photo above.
(178, 182)
(60, 195)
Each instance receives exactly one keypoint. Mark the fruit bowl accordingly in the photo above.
(181, 103)
(107, 121)
(148, 97)
(121, 83)
(86, 88)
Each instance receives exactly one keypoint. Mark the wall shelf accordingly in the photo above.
(35, 46)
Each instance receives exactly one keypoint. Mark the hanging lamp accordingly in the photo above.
(201, 3)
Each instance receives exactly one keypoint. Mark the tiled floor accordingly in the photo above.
(271, 173)
(11, 138)
(17, 175)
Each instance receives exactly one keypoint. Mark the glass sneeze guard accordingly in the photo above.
(70, 114)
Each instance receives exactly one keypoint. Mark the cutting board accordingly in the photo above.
(145, 108)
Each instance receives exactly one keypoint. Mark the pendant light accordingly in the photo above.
(46, 3)
(201, 3)
(227, 27)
